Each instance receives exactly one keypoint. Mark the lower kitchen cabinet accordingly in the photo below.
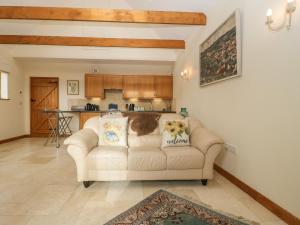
(84, 116)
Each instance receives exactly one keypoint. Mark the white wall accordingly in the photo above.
(12, 111)
(75, 70)
(258, 113)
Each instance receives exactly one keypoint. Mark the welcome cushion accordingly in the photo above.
(175, 133)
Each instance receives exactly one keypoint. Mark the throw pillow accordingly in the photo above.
(113, 131)
(175, 133)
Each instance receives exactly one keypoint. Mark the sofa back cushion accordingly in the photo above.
(92, 123)
(167, 116)
(133, 131)
(150, 140)
(194, 123)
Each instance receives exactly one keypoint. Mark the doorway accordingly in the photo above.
(43, 95)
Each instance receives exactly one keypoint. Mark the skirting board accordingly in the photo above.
(267, 203)
(13, 139)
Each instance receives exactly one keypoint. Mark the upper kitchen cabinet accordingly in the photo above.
(130, 87)
(113, 82)
(138, 86)
(94, 87)
(163, 87)
(146, 87)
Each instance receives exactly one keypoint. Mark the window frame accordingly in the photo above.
(4, 99)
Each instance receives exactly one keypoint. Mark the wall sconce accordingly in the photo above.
(290, 9)
(185, 74)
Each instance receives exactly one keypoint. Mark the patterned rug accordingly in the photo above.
(164, 208)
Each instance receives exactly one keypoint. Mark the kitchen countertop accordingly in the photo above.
(103, 111)
(106, 111)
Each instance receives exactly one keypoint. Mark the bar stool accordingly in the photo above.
(59, 125)
(52, 128)
(64, 125)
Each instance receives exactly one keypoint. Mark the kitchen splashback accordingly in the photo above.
(116, 97)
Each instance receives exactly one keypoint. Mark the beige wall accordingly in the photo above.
(75, 70)
(12, 111)
(258, 113)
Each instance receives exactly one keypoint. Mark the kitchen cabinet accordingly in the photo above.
(133, 86)
(94, 87)
(138, 86)
(113, 82)
(84, 116)
(146, 87)
(163, 87)
(130, 86)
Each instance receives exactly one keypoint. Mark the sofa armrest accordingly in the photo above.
(85, 139)
(79, 145)
(203, 139)
(210, 145)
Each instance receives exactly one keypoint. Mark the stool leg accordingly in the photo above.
(69, 119)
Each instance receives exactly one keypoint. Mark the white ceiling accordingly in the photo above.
(95, 29)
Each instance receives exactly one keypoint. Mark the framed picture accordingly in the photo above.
(73, 87)
(221, 53)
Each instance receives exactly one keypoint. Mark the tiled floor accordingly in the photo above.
(38, 186)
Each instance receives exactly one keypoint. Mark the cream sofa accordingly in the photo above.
(144, 159)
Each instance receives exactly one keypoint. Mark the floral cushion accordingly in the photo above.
(113, 131)
(175, 133)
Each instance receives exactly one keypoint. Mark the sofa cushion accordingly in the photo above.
(92, 123)
(144, 141)
(107, 158)
(194, 123)
(146, 159)
(181, 158)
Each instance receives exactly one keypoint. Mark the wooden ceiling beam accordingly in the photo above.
(102, 15)
(91, 41)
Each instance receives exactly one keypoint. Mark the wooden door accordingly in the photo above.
(43, 95)
(113, 82)
(146, 87)
(94, 86)
(164, 87)
(130, 86)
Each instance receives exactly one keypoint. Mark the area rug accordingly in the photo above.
(164, 208)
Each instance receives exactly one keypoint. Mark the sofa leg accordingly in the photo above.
(86, 184)
(204, 182)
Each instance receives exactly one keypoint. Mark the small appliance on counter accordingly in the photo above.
(131, 107)
(92, 107)
(139, 108)
(112, 107)
(184, 112)
(78, 108)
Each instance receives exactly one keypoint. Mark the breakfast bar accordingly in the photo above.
(59, 121)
